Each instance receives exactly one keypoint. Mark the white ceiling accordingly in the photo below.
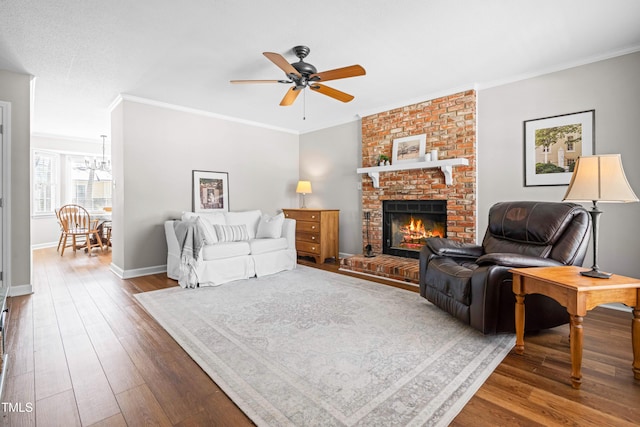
(84, 53)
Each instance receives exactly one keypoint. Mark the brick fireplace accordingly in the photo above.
(449, 123)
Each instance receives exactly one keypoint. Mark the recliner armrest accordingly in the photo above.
(516, 260)
(452, 248)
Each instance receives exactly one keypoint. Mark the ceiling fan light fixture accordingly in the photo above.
(303, 75)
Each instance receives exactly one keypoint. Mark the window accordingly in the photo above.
(59, 179)
(45, 182)
(87, 184)
(570, 146)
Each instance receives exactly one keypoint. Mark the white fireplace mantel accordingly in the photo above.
(445, 165)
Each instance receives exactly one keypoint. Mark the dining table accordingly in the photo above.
(104, 219)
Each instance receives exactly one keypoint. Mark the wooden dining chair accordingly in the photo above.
(61, 229)
(77, 224)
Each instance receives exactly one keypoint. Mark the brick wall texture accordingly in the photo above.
(449, 123)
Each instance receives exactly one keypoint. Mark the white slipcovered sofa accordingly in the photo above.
(235, 245)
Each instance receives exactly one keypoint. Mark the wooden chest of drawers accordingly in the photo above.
(317, 232)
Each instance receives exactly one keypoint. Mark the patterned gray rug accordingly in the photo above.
(313, 348)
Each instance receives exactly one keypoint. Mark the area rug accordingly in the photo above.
(314, 348)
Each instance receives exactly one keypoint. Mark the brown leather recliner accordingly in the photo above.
(473, 282)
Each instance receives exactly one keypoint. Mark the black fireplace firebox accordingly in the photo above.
(406, 224)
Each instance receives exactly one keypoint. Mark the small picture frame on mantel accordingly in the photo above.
(409, 149)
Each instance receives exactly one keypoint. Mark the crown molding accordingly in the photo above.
(132, 98)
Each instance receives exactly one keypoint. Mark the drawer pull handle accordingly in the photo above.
(313, 238)
(313, 227)
(313, 247)
(313, 217)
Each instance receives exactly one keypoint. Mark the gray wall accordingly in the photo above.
(15, 88)
(155, 149)
(612, 88)
(329, 158)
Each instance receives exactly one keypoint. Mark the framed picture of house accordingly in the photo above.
(409, 149)
(553, 144)
(210, 191)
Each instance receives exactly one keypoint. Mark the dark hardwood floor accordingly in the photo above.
(83, 352)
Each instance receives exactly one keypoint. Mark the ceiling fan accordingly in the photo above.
(303, 75)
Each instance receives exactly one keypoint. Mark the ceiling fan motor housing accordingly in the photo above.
(304, 68)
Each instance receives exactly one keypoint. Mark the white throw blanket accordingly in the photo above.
(191, 241)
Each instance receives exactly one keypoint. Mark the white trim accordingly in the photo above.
(16, 291)
(559, 67)
(139, 100)
(68, 138)
(137, 272)
(486, 85)
(6, 194)
(44, 245)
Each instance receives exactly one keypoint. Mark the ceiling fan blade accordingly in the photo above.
(253, 81)
(333, 93)
(340, 73)
(282, 63)
(290, 96)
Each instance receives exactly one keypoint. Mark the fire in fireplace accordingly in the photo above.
(408, 223)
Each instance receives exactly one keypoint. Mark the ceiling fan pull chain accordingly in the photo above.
(304, 104)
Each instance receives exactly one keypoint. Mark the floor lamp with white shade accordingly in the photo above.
(596, 179)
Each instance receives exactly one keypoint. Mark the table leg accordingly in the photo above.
(519, 324)
(576, 336)
(635, 341)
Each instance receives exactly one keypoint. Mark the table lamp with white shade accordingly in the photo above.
(304, 188)
(596, 179)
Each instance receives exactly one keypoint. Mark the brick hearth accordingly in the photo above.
(387, 266)
(449, 123)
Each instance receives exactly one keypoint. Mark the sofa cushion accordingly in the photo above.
(210, 217)
(231, 233)
(225, 250)
(270, 227)
(248, 218)
(207, 230)
(261, 246)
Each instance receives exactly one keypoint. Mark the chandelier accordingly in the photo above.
(96, 164)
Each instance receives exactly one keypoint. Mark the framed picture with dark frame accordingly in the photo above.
(552, 146)
(409, 149)
(210, 191)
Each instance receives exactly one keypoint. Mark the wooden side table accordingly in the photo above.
(578, 294)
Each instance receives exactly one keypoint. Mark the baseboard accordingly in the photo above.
(16, 291)
(136, 272)
(44, 245)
